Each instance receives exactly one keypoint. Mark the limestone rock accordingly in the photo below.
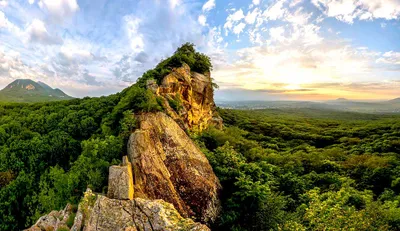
(137, 215)
(53, 220)
(168, 165)
(195, 92)
(99, 213)
(120, 181)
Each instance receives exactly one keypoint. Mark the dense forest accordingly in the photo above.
(289, 169)
(305, 169)
(51, 152)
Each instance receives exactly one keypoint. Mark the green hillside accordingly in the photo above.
(28, 91)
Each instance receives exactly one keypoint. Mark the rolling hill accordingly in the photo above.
(27, 91)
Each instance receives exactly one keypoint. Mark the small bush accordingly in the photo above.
(71, 219)
(63, 228)
(175, 103)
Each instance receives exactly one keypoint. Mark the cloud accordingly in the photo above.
(349, 10)
(3, 3)
(288, 67)
(12, 67)
(38, 33)
(59, 9)
(232, 21)
(209, 5)
(256, 2)
(277, 34)
(252, 16)
(132, 29)
(90, 79)
(239, 28)
(275, 11)
(156, 31)
(6, 24)
(390, 57)
(31, 1)
(3, 20)
(202, 20)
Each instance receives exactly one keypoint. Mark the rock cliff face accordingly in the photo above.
(168, 165)
(188, 98)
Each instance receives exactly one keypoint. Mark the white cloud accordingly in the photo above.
(281, 68)
(277, 34)
(132, 29)
(209, 5)
(239, 28)
(202, 20)
(252, 16)
(3, 20)
(233, 20)
(174, 3)
(390, 57)
(383, 25)
(256, 2)
(275, 11)
(37, 32)
(154, 32)
(6, 24)
(238, 15)
(349, 10)
(3, 3)
(295, 3)
(31, 1)
(298, 17)
(59, 9)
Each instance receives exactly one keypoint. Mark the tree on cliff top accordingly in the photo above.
(187, 53)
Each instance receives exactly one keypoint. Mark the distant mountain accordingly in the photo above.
(341, 99)
(397, 100)
(27, 90)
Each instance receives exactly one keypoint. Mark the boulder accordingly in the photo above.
(168, 165)
(120, 181)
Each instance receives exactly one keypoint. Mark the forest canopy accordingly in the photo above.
(306, 169)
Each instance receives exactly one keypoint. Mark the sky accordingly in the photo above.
(260, 49)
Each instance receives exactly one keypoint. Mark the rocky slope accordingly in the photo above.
(165, 182)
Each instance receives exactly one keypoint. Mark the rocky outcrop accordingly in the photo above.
(188, 98)
(168, 165)
(100, 213)
(54, 220)
(120, 181)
